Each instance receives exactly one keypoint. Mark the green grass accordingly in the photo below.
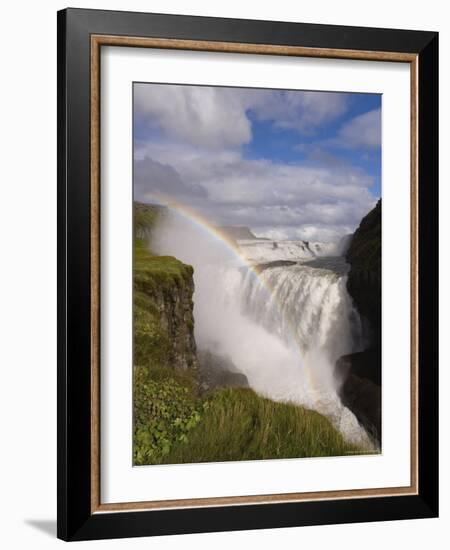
(151, 273)
(237, 424)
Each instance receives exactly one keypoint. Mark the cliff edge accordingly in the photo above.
(360, 373)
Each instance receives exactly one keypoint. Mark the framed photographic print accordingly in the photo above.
(247, 252)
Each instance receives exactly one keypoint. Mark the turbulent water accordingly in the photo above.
(282, 324)
(307, 305)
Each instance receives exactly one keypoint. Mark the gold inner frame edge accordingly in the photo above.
(97, 41)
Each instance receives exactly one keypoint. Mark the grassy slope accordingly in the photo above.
(237, 424)
(172, 423)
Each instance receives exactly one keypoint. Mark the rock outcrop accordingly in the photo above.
(217, 371)
(360, 373)
(163, 288)
(360, 391)
(364, 277)
(174, 305)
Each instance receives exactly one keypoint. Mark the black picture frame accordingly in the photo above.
(75, 518)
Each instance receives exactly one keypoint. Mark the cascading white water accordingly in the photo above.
(284, 328)
(309, 306)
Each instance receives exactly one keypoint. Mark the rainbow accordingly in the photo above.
(205, 225)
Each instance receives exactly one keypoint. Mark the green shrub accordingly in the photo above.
(165, 411)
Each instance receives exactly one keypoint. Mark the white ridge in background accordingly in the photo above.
(259, 250)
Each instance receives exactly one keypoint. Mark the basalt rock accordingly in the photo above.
(163, 289)
(176, 319)
(364, 277)
(360, 388)
(360, 373)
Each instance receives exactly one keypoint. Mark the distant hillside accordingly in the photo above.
(237, 232)
(145, 217)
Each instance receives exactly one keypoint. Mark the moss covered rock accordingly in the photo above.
(163, 311)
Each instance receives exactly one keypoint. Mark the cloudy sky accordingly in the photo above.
(288, 164)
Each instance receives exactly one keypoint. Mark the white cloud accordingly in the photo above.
(300, 201)
(302, 111)
(197, 159)
(161, 179)
(213, 117)
(203, 116)
(362, 131)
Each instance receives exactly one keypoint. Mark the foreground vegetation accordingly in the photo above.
(174, 424)
(237, 424)
(166, 408)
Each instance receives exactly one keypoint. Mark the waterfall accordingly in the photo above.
(306, 306)
(283, 326)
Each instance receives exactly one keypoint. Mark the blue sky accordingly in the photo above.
(288, 164)
(290, 146)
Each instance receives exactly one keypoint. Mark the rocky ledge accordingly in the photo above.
(218, 371)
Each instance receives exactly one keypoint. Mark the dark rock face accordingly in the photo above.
(217, 371)
(364, 278)
(359, 392)
(163, 295)
(176, 318)
(360, 373)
